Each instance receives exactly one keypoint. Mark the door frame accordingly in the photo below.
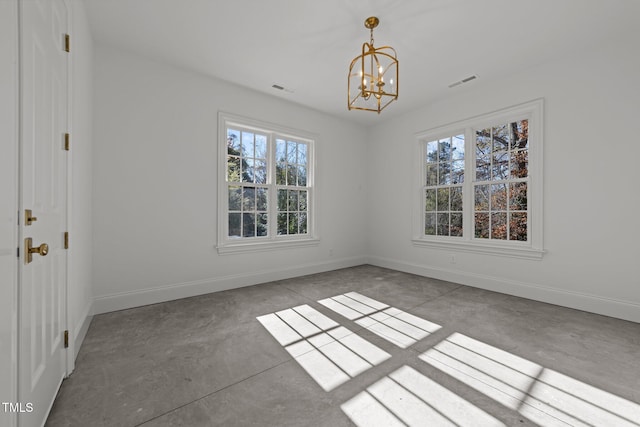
(9, 108)
(11, 49)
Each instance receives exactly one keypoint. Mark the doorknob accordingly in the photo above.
(41, 250)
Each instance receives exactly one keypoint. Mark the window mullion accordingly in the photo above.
(271, 185)
(468, 188)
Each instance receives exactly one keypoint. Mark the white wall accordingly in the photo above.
(155, 164)
(80, 290)
(8, 204)
(591, 195)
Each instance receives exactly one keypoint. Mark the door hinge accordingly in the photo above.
(66, 339)
(66, 142)
(18, 252)
(66, 240)
(67, 43)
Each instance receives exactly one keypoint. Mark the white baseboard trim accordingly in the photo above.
(125, 300)
(580, 301)
(81, 330)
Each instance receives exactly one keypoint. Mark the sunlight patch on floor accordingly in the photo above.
(406, 397)
(544, 396)
(394, 325)
(331, 354)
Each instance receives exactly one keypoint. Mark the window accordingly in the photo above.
(480, 184)
(266, 186)
(443, 192)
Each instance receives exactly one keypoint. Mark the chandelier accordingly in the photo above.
(373, 76)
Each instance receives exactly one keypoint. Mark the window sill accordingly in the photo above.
(479, 248)
(243, 247)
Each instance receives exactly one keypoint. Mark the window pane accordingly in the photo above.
(444, 149)
(482, 197)
(457, 149)
(234, 224)
(443, 199)
(247, 170)
(483, 143)
(456, 224)
(501, 138)
(518, 226)
(282, 223)
(233, 169)
(282, 200)
(261, 226)
(261, 199)
(444, 173)
(519, 164)
(293, 200)
(233, 142)
(500, 168)
(293, 223)
(483, 169)
(457, 172)
(430, 224)
(443, 224)
(235, 198)
(499, 197)
(302, 154)
(281, 173)
(432, 174)
(520, 135)
(302, 223)
(456, 198)
(432, 152)
(518, 196)
(430, 200)
(281, 150)
(292, 152)
(292, 175)
(260, 171)
(302, 200)
(482, 225)
(248, 198)
(499, 225)
(261, 147)
(247, 144)
(248, 225)
(302, 176)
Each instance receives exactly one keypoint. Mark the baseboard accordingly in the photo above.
(81, 330)
(124, 300)
(576, 300)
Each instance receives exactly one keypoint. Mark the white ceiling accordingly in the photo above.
(307, 45)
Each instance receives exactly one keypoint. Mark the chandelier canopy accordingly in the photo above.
(373, 75)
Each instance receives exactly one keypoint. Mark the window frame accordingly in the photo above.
(230, 245)
(532, 248)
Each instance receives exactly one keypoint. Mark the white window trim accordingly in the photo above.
(533, 248)
(226, 245)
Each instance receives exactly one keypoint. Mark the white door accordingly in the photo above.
(43, 176)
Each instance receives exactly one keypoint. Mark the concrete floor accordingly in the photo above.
(207, 361)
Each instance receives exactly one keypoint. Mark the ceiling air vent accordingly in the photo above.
(468, 79)
(280, 87)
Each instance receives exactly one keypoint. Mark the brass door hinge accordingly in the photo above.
(66, 240)
(67, 43)
(66, 142)
(66, 339)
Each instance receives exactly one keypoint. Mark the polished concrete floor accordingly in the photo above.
(484, 358)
